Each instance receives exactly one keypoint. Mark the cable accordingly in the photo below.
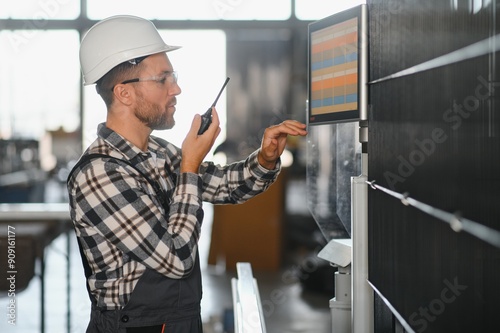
(486, 46)
(456, 222)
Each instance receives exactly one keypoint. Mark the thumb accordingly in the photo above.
(195, 125)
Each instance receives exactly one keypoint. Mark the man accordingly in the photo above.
(136, 200)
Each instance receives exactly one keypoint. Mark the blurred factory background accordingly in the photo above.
(432, 141)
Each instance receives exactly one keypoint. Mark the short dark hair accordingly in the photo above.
(124, 71)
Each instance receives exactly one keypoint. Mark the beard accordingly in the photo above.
(153, 115)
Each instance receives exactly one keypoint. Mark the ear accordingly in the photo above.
(124, 94)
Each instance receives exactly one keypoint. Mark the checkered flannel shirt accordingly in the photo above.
(123, 227)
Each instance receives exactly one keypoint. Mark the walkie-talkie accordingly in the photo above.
(206, 118)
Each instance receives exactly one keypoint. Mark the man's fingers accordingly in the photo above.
(290, 127)
(296, 126)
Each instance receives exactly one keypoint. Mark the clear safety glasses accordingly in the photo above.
(170, 77)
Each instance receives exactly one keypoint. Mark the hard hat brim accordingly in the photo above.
(112, 61)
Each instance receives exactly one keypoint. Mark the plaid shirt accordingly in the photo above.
(123, 226)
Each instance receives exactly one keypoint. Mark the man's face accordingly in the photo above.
(156, 99)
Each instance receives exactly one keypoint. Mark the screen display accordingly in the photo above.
(334, 68)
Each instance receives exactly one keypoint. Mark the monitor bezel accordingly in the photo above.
(359, 113)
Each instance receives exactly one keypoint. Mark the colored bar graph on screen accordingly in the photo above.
(334, 68)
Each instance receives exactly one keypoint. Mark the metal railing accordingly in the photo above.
(455, 221)
(248, 314)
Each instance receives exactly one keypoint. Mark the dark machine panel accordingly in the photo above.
(434, 134)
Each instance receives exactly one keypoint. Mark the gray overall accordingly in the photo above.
(156, 300)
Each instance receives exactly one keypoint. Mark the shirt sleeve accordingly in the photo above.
(118, 205)
(237, 182)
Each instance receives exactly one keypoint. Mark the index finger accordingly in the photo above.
(292, 127)
(215, 116)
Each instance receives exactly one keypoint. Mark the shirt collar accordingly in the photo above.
(121, 144)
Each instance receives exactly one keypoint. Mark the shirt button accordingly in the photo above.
(125, 319)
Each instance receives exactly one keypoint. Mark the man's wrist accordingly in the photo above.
(187, 167)
(269, 165)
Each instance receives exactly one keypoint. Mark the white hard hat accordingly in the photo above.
(115, 40)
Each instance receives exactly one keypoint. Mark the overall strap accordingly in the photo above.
(86, 158)
(162, 196)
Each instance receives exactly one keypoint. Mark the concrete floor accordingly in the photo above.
(295, 310)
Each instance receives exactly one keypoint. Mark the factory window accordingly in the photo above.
(193, 10)
(39, 85)
(318, 9)
(34, 10)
